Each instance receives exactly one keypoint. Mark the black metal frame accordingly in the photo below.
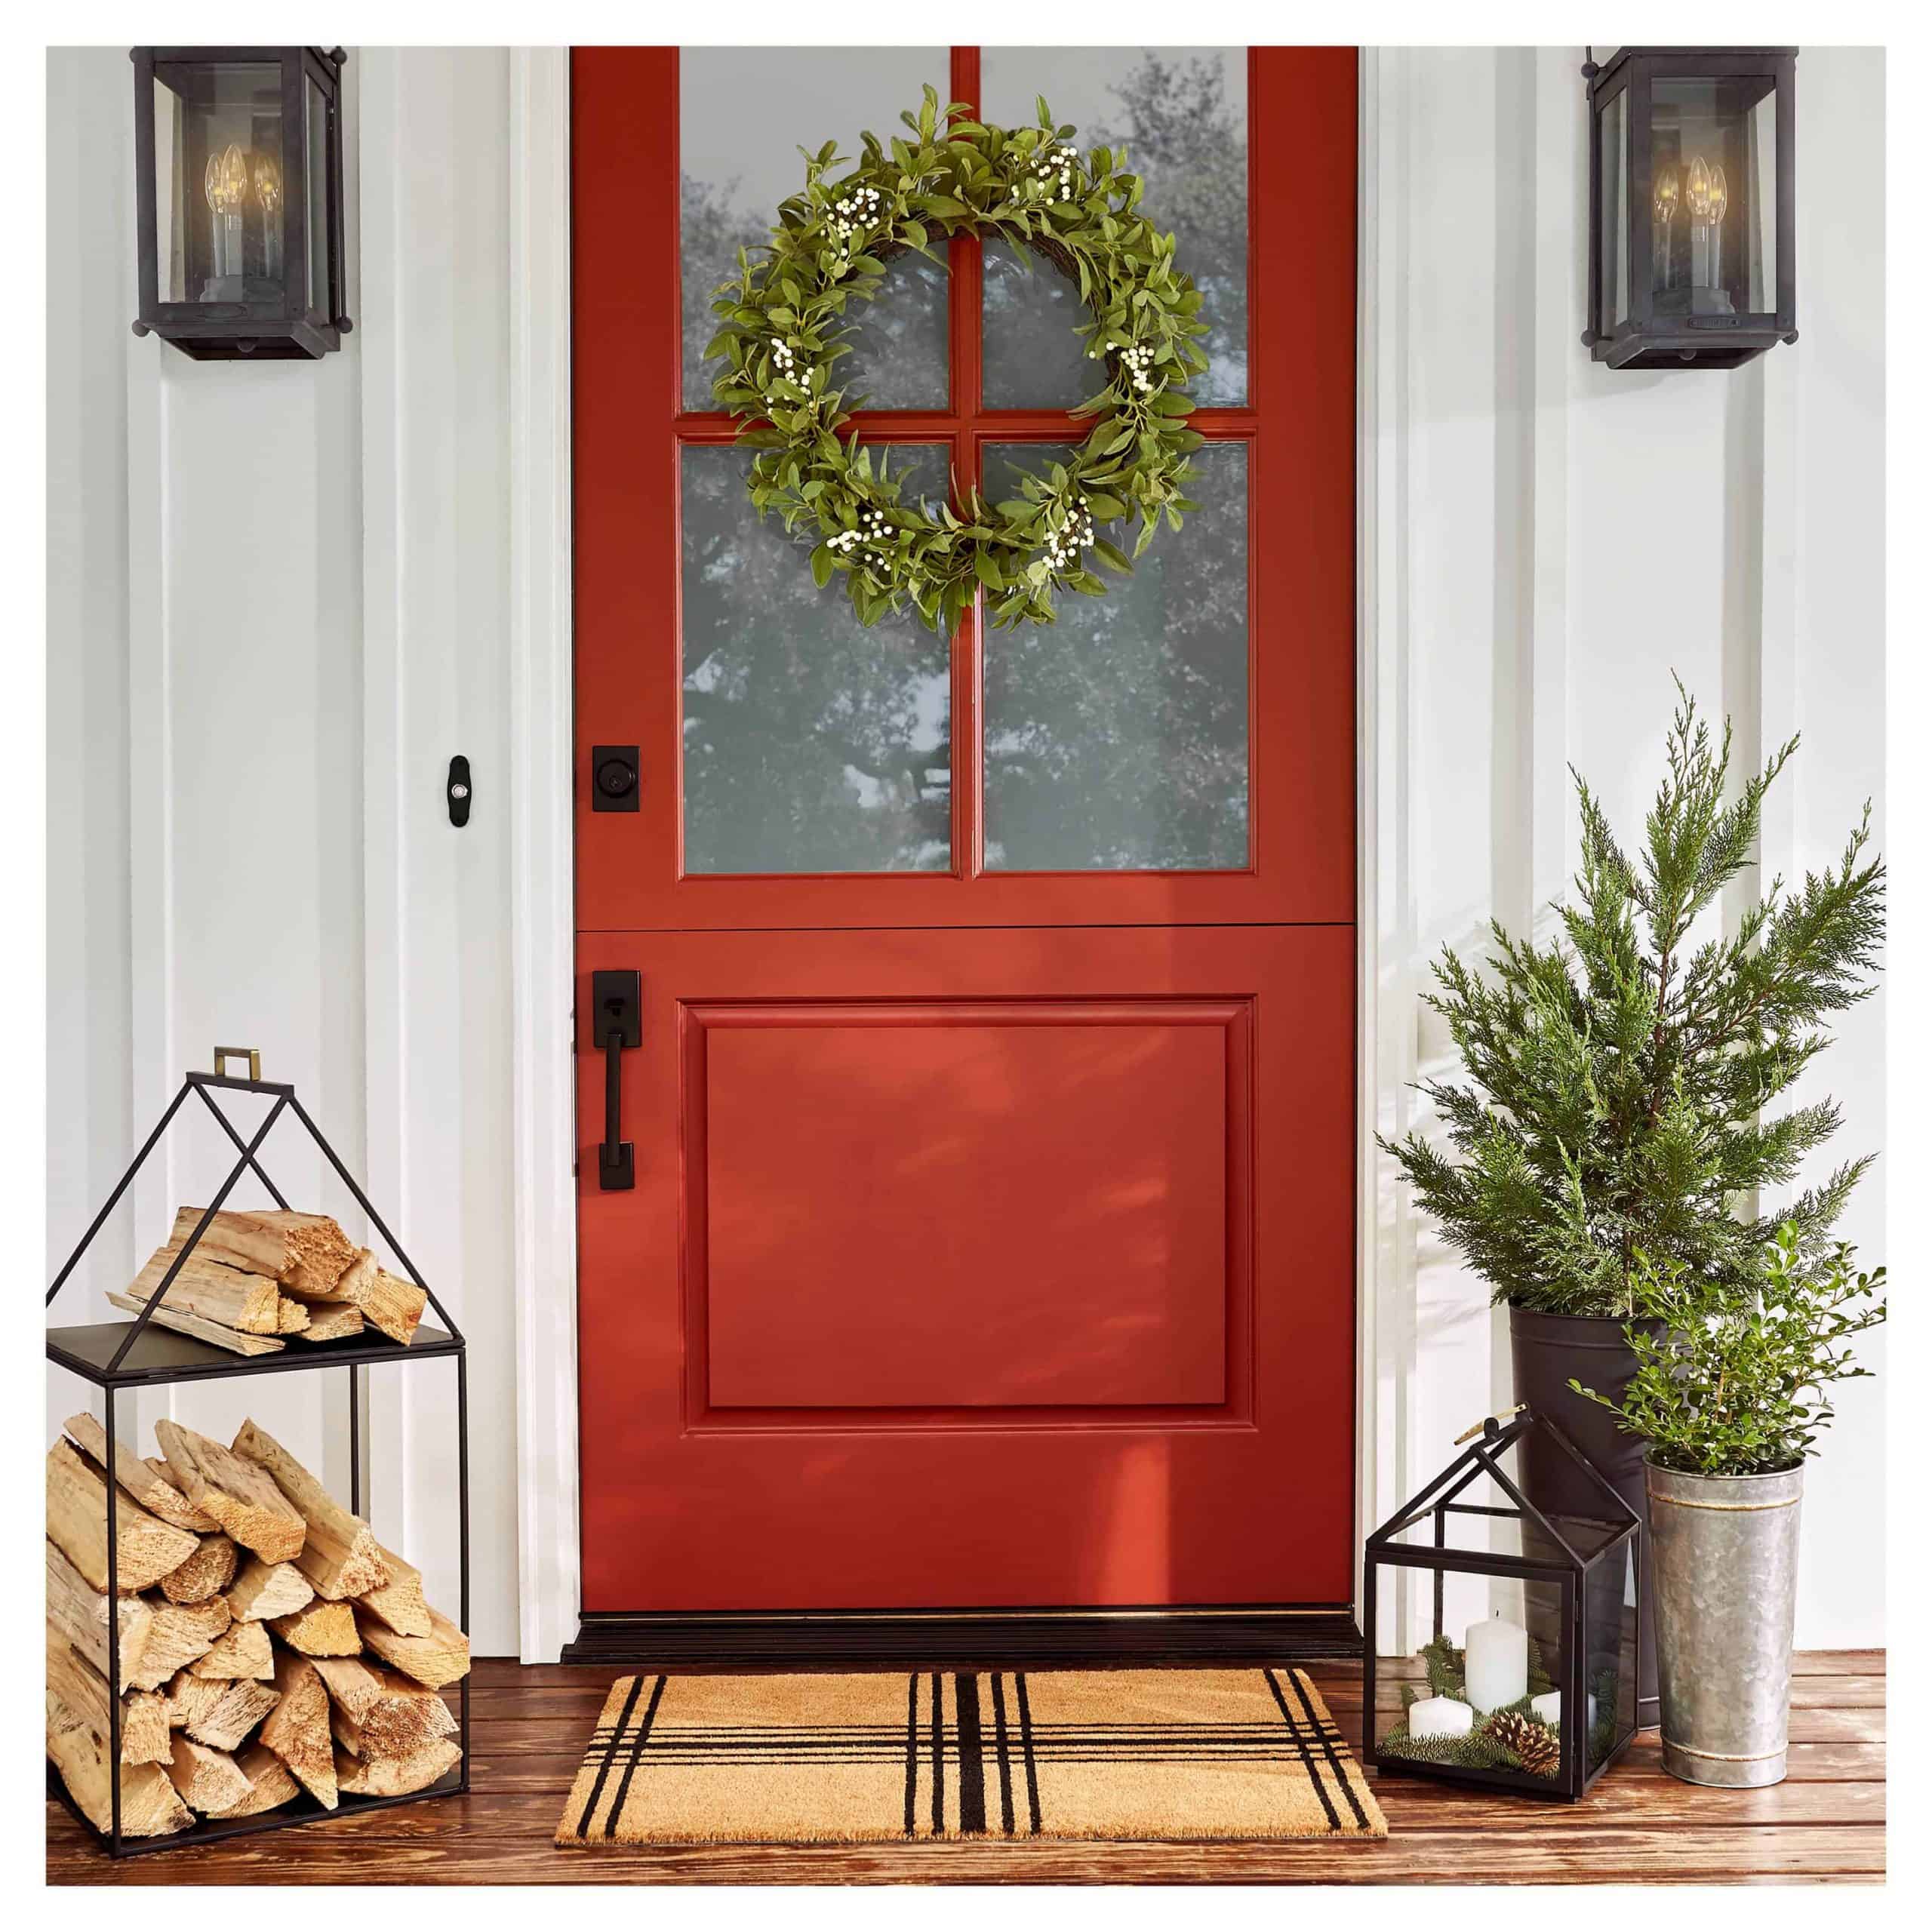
(1437, 1501)
(304, 323)
(1712, 342)
(114, 1355)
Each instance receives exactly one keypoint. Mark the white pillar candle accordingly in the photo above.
(1440, 1717)
(1549, 1708)
(1496, 1663)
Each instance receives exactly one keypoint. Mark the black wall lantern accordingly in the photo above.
(238, 163)
(1692, 226)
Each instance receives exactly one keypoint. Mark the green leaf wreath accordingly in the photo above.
(787, 320)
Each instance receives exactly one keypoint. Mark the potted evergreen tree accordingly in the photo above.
(1619, 1089)
(1730, 1395)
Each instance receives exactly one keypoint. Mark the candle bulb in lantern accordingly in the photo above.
(1496, 1663)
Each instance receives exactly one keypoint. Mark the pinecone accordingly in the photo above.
(1537, 1747)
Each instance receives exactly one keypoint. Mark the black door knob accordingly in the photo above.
(614, 776)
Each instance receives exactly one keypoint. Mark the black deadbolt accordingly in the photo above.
(613, 778)
(457, 790)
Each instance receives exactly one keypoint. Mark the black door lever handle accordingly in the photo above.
(616, 1021)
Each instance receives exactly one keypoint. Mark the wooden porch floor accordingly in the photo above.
(1826, 1821)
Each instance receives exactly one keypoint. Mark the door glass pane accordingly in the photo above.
(1182, 114)
(744, 114)
(811, 744)
(1116, 739)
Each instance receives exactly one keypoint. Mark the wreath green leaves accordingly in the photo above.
(785, 321)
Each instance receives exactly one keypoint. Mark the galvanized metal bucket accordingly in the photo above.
(1726, 1556)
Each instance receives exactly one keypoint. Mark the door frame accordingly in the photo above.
(543, 856)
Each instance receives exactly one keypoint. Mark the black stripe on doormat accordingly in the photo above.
(972, 1767)
(1026, 1752)
(1308, 1763)
(1328, 1747)
(911, 1749)
(638, 1743)
(999, 1747)
(610, 1757)
(939, 1758)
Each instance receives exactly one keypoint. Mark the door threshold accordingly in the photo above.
(819, 1639)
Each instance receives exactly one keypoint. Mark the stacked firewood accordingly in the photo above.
(268, 1644)
(255, 1280)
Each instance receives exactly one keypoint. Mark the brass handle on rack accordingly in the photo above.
(223, 1055)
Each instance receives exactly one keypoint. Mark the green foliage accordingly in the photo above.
(784, 324)
(1737, 1385)
(1620, 1080)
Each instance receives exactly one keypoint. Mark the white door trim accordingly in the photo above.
(541, 866)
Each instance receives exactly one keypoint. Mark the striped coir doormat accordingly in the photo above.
(804, 1759)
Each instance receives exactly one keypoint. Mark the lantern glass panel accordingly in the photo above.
(1615, 161)
(1713, 213)
(316, 145)
(219, 177)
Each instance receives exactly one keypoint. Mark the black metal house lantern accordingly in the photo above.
(1693, 221)
(237, 162)
(1528, 1681)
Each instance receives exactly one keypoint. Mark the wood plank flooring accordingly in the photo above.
(1826, 1821)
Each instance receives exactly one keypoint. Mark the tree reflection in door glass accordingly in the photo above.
(1116, 738)
(744, 114)
(1181, 112)
(811, 743)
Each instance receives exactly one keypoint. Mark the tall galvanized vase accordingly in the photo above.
(1726, 1556)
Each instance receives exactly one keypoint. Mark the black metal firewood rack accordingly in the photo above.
(118, 1355)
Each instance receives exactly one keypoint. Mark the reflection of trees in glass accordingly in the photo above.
(811, 744)
(1189, 139)
(1117, 737)
(899, 344)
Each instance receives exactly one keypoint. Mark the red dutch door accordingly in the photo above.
(990, 1241)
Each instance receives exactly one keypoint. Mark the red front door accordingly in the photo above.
(992, 1240)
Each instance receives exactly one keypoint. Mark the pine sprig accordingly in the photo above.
(786, 321)
(1618, 1085)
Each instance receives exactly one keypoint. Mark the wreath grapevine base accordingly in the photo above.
(785, 321)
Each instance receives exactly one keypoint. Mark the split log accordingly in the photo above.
(269, 1784)
(203, 1330)
(207, 1779)
(393, 1777)
(146, 1480)
(208, 1572)
(340, 1556)
(230, 1295)
(84, 1691)
(278, 1242)
(180, 1633)
(243, 1650)
(291, 1317)
(392, 1304)
(212, 1712)
(400, 1602)
(264, 1591)
(376, 1713)
(149, 1805)
(441, 1657)
(322, 1630)
(297, 1730)
(77, 1521)
(79, 1612)
(332, 1321)
(175, 1507)
(240, 1495)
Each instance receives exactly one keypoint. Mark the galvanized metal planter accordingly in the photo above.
(1726, 1556)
